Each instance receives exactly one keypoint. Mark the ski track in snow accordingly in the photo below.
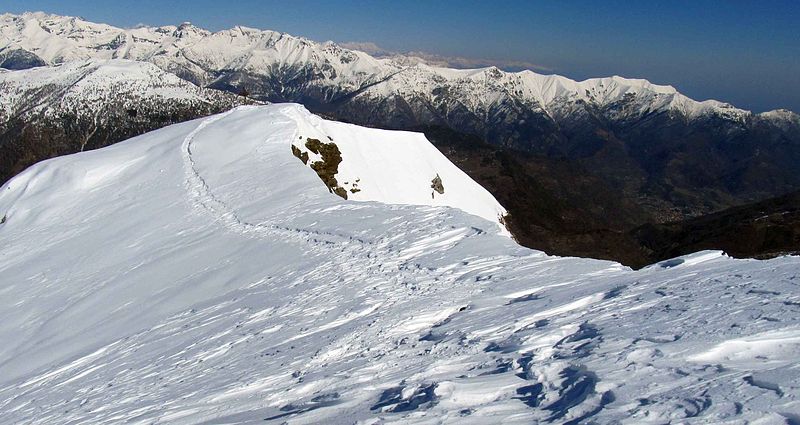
(203, 198)
(342, 312)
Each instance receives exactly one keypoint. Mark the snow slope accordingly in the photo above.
(396, 167)
(86, 87)
(202, 274)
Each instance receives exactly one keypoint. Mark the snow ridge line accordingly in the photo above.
(198, 188)
(371, 253)
(202, 197)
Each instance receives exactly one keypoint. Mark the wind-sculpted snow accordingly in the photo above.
(203, 274)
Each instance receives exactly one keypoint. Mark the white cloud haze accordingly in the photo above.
(440, 60)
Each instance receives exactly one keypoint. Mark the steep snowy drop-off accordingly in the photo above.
(394, 167)
(202, 274)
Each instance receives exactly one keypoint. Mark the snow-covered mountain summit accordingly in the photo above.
(203, 273)
(327, 72)
(664, 155)
(193, 53)
(88, 87)
(391, 167)
(86, 104)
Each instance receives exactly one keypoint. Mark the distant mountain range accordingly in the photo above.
(574, 162)
(81, 105)
(265, 264)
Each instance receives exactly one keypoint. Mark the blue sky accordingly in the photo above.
(743, 52)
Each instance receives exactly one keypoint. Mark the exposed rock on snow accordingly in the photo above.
(669, 155)
(436, 185)
(187, 276)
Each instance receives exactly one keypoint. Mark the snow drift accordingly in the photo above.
(202, 273)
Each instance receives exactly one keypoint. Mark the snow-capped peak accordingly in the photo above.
(83, 87)
(780, 115)
(201, 56)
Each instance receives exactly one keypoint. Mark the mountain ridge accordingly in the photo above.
(81, 105)
(226, 284)
(666, 157)
(127, 43)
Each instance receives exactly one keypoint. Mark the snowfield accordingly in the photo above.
(91, 88)
(201, 273)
